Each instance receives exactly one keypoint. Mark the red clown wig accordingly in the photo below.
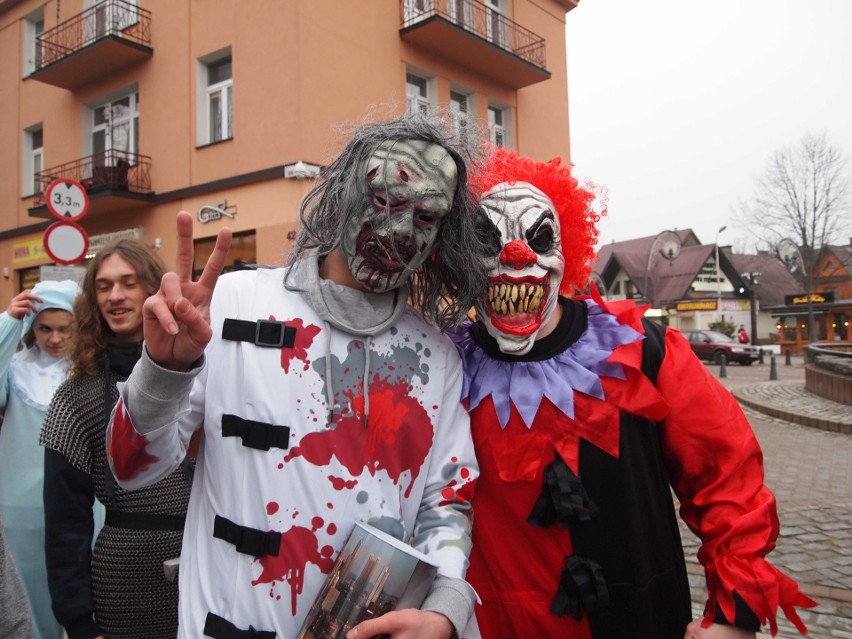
(577, 218)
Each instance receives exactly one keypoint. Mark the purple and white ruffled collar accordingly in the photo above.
(577, 368)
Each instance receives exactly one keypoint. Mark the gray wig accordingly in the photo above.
(448, 283)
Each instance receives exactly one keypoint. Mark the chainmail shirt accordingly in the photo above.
(132, 597)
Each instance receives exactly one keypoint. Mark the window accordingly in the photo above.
(216, 95)
(219, 100)
(415, 11)
(461, 12)
(417, 94)
(115, 130)
(496, 128)
(110, 18)
(243, 253)
(459, 112)
(33, 160)
(495, 24)
(33, 50)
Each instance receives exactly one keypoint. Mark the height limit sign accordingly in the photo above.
(64, 241)
(67, 200)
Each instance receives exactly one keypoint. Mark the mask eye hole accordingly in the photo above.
(488, 234)
(542, 241)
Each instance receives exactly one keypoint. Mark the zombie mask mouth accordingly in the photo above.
(383, 252)
(515, 304)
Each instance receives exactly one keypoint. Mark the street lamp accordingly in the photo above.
(790, 254)
(598, 281)
(670, 244)
(753, 280)
(719, 276)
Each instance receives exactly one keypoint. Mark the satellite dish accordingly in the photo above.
(789, 253)
(670, 249)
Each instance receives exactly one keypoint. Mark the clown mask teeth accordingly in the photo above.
(508, 299)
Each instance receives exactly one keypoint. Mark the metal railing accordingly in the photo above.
(106, 18)
(109, 170)
(481, 20)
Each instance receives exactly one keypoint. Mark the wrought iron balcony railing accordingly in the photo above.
(107, 171)
(107, 18)
(482, 21)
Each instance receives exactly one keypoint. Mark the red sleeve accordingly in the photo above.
(716, 468)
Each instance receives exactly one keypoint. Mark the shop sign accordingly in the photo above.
(696, 306)
(28, 252)
(816, 298)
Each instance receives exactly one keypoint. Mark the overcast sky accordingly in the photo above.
(676, 105)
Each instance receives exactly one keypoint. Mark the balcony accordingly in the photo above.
(477, 37)
(114, 180)
(105, 38)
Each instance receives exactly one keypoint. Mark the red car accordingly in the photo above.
(713, 346)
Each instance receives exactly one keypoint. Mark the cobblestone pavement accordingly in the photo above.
(810, 471)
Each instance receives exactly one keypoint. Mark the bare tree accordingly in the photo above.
(803, 195)
(801, 201)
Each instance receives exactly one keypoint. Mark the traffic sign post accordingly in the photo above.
(67, 199)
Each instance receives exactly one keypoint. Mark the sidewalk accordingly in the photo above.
(786, 397)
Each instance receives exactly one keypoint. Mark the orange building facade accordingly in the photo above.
(228, 109)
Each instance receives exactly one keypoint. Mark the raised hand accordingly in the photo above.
(176, 319)
(23, 304)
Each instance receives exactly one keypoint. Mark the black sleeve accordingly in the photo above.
(69, 525)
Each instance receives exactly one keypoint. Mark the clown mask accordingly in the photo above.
(410, 185)
(524, 282)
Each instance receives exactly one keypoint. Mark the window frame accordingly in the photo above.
(221, 90)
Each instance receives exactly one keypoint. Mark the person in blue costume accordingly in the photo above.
(41, 320)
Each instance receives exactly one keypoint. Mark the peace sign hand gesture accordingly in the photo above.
(176, 319)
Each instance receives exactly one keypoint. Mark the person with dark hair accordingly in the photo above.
(41, 320)
(118, 589)
(325, 391)
(584, 417)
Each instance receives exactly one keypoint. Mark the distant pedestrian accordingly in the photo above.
(742, 335)
(118, 590)
(41, 321)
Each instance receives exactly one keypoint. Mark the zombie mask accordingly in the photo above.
(410, 186)
(524, 281)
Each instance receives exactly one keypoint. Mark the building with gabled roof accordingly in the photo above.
(687, 290)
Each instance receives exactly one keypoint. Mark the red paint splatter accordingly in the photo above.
(399, 437)
(465, 473)
(127, 448)
(271, 508)
(339, 483)
(317, 523)
(327, 551)
(299, 547)
(304, 338)
(332, 529)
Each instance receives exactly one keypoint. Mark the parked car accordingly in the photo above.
(713, 346)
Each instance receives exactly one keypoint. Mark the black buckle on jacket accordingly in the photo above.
(219, 628)
(258, 435)
(265, 333)
(249, 541)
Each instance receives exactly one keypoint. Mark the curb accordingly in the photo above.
(831, 425)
